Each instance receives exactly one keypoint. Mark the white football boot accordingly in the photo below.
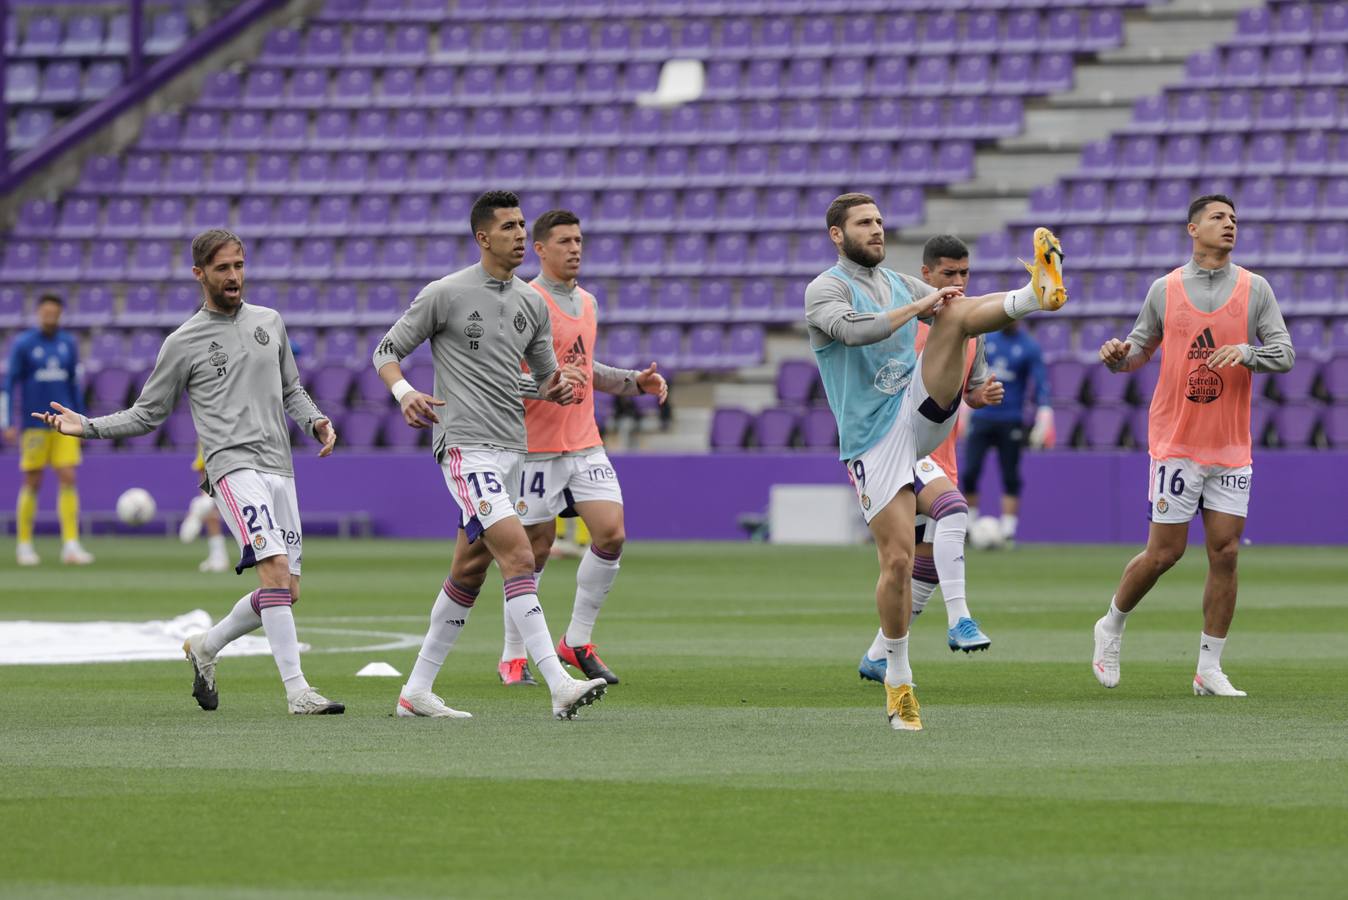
(424, 703)
(25, 555)
(310, 702)
(1105, 662)
(573, 694)
(1214, 683)
(72, 554)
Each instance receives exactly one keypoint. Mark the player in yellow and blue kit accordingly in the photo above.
(44, 367)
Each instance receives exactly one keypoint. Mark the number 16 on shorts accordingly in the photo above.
(1178, 486)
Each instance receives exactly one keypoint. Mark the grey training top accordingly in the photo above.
(829, 315)
(240, 378)
(610, 380)
(1208, 290)
(480, 329)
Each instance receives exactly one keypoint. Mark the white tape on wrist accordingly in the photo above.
(402, 389)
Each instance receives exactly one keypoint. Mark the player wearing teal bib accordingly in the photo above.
(893, 405)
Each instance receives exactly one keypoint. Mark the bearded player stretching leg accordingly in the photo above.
(892, 406)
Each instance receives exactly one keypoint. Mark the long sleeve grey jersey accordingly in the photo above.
(1208, 289)
(241, 381)
(830, 316)
(480, 329)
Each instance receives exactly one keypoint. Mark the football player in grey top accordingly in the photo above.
(483, 323)
(234, 362)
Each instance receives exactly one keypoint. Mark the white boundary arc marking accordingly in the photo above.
(397, 640)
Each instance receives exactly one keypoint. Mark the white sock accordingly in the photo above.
(216, 546)
(523, 606)
(594, 579)
(948, 550)
(241, 620)
(1021, 302)
(1115, 619)
(1210, 653)
(1009, 523)
(877, 647)
(448, 616)
(922, 591)
(513, 645)
(897, 670)
(279, 623)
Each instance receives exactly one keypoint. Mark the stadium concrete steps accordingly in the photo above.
(1157, 40)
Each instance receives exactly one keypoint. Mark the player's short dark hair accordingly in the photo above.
(837, 210)
(208, 243)
(1201, 203)
(943, 246)
(485, 207)
(544, 224)
(49, 298)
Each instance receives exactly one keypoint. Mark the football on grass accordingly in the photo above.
(135, 506)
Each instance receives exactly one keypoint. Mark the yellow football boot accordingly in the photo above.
(1046, 270)
(902, 708)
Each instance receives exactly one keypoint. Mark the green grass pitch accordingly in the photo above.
(740, 756)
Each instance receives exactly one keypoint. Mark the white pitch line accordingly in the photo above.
(399, 641)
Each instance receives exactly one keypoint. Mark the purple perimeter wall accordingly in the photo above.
(1069, 496)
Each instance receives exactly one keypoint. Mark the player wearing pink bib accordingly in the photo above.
(566, 471)
(1201, 317)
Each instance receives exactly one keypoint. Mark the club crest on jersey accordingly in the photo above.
(259, 542)
(521, 323)
(865, 501)
(1203, 385)
(261, 336)
(521, 507)
(926, 466)
(1162, 505)
(484, 508)
(892, 377)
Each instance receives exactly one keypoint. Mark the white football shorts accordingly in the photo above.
(480, 481)
(263, 514)
(1179, 487)
(551, 487)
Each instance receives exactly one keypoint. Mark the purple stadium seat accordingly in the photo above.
(370, 390)
(730, 428)
(1336, 425)
(1065, 380)
(109, 389)
(179, 430)
(1334, 377)
(774, 428)
(622, 345)
(1103, 426)
(1326, 64)
(105, 348)
(79, 217)
(399, 435)
(330, 385)
(1296, 423)
(142, 306)
(1055, 339)
(101, 79)
(91, 307)
(704, 347)
(64, 260)
(60, 82)
(819, 429)
(361, 428)
(797, 382)
(83, 35)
